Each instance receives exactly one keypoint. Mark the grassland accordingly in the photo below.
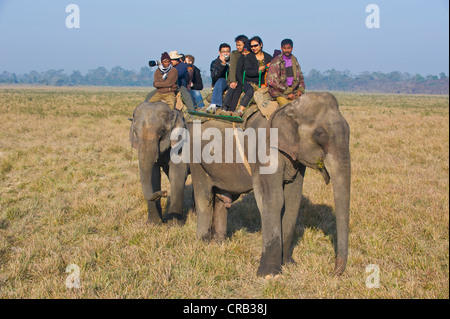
(70, 194)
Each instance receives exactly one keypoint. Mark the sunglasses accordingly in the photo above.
(254, 45)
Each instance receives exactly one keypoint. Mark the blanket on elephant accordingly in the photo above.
(265, 103)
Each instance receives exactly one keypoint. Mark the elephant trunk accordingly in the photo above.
(338, 165)
(150, 177)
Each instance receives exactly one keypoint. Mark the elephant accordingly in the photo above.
(311, 133)
(151, 127)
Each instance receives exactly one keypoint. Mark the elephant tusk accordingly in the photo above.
(158, 195)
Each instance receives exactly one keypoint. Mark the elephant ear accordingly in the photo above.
(288, 139)
(176, 121)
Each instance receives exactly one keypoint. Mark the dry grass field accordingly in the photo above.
(70, 194)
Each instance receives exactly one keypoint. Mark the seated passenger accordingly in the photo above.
(284, 78)
(219, 70)
(183, 78)
(165, 82)
(234, 87)
(196, 84)
(251, 72)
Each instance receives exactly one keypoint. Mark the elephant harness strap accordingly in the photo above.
(241, 150)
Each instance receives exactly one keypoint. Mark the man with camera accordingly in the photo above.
(182, 80)
(219, 71)
(165, 82)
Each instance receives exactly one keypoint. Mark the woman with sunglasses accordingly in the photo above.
(251, 72)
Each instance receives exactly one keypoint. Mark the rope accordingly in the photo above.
(241, 150)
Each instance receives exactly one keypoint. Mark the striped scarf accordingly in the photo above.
(289, 70)
(165, 71)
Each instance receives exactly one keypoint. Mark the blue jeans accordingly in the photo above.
(217, 95)
(197, 98)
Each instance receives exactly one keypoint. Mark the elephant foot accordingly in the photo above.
(271, 259)
(205, 238)
(174, 219)
(339, 266)
(218, 238)
(154, 221)
(272, 277)
(289, 260)
(266, 269)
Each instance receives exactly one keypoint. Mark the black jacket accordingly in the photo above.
(218, 70)
(197, 80)
(250, 65)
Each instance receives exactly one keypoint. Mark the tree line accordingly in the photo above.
(332, 80)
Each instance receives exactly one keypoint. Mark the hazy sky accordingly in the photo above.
(413, 35)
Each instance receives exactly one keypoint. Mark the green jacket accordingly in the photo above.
(276, 78)
(235, 55)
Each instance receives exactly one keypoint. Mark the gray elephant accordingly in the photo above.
(150, 131)
(311, 133)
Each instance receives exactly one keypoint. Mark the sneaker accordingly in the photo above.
(211, 109)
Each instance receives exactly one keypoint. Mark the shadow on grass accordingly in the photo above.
(245, 214)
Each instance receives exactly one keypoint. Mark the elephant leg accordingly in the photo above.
(203, 198)
(270, 199)
(204, 208)
(292, 201)
(220, 215)
(154, 206)
(177, 178)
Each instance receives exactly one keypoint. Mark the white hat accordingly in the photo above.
(174, 55)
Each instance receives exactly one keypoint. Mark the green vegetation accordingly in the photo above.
(393, 82)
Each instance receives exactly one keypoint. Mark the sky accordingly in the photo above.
(413, 35)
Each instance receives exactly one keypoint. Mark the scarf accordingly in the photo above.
(289, 70)
(165, 71)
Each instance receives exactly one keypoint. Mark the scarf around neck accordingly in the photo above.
(165, 71)
(289, 70)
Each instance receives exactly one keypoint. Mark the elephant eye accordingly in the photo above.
(162, 132)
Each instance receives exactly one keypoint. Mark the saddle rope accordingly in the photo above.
(241, 150)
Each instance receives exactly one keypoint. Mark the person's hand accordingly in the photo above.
(291, 96)
(222, 59)
(262, 68)
(233, 85)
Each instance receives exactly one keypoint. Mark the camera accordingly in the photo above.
(152, 63)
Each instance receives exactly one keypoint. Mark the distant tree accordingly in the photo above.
(313, 79)
(395, 76)
(97, 76)
(431, 77)
(4, 77)
(145, 76)
(418, 78)
(34, 77)
(76, 78)
(393, 82)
